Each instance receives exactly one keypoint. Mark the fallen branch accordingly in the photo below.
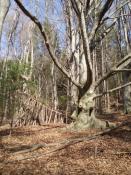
(64, 144)
(122, 153)
(35, 147)
(32, 148)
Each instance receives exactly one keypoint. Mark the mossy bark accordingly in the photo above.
(84, 117)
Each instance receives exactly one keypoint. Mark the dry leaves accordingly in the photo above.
(106, 155)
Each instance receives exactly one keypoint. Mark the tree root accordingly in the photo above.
(96, 123)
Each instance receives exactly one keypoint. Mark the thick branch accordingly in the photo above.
(50, 50)
(120, 7)
(87, 53)
(102, 36)
(124, 62)
(105, 9)
(86, 47)
(87, 5)
(117, 68)
(75, 7)
(99, 15)
(112, 90)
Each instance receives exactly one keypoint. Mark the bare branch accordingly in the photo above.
(120, 7)
(113, 90)
(117, 68)
(75, 7)
(87, 5)
(105, 8)
(99, 20)
(124, 62)
(50, 50)
(86, 47)
(99, 15)
(13, 29)
(102, 36)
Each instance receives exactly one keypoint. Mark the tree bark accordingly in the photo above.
(4, 4)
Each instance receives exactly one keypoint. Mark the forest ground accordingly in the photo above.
(109, 154)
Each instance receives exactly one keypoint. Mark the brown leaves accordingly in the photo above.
(98, 156)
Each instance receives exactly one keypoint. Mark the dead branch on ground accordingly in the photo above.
(63, 144)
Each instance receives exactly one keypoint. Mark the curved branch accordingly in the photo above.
(99, 15)
(48, 46)
(105, 8)
(102, 36)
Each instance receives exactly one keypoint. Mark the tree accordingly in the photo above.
(4, 6)
(90, 17)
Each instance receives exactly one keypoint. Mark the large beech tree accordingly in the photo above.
(91, 17)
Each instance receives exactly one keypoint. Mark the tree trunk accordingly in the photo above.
(54, 86)
(74, 67)
(127, 76)
(85, 118)
(4, 4)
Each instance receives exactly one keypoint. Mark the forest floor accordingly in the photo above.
(109, 154)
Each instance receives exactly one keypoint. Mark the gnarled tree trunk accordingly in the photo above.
(85, 115)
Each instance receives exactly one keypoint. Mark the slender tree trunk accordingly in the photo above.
(4, 4)
(54, 86)
(127, 76)
(31, 58)
(75, 65)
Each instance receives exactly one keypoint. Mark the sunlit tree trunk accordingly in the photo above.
(54, 87)
(127, 76)
(4, 7)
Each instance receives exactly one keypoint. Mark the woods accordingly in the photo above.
(66, 63)
(96, 56)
